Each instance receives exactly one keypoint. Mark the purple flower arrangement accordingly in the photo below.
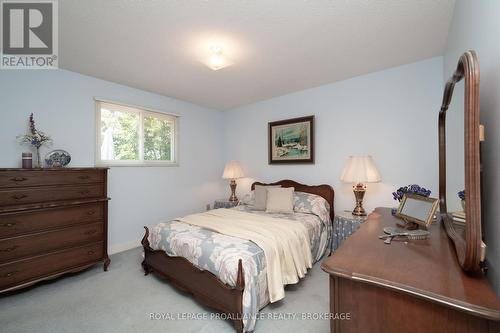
(461, 195)
(410, 189)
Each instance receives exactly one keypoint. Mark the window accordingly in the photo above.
(129, 135)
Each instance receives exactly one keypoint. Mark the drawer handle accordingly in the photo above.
(84, 192)
(91, 252)
(9, 274)
(83, 177)
(90, 232)
(10, 224)
(91, 212)
(9, 249)
(19, 196)
(18, 179)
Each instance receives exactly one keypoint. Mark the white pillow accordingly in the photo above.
(247, 199)
(280, 200)
(261, 196)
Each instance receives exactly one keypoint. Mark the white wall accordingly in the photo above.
(391, 115)
(476, 26)
(63, 105)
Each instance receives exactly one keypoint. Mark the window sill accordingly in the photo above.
(109, 164)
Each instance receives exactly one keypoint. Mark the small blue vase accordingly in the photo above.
(394, 211)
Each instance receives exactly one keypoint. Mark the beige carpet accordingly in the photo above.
(122, 300)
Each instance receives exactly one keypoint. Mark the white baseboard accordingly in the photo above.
(116, 248)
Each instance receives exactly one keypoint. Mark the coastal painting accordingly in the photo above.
(292, 141)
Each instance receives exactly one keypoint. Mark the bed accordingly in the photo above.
(229, 273)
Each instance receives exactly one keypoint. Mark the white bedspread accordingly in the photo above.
(285, 243)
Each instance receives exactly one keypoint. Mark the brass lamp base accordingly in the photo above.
(233, 197)
(359, 192)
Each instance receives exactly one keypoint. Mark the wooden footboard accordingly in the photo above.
(204, 285)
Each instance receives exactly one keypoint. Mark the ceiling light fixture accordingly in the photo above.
(217, 60)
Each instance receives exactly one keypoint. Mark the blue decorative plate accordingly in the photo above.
(57, 158)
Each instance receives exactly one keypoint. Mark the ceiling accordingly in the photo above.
(276, 46)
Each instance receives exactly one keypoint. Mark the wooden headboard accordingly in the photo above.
(325, 191)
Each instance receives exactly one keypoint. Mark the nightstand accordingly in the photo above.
(344, 225)
(225, 203)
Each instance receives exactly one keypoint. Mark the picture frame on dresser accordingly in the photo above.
(52, 221)
(417, 210)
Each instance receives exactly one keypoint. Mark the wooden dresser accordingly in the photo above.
(414, 286)
(52, 221)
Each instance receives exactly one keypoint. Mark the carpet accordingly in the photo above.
(124, 300)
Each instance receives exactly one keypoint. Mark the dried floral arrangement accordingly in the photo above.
(35, 138)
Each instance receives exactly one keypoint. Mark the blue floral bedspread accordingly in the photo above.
(219, 254)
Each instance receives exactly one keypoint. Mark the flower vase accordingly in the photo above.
(463, 205)
(38, 159)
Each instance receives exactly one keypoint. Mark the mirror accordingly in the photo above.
(459, 162)
(455, 156)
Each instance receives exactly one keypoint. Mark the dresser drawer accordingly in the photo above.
(20, 223)
(36, 244)
(23, 178)
(49, 193)
(33, 268)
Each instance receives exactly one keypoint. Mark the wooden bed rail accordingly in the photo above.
(202, 284)
(145, 240)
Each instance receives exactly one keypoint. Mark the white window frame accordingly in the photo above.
(121, 107)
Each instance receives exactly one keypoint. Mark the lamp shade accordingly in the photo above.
(233, 170)
(360, 169)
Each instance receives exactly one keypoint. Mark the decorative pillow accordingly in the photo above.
(280, 200)
(247, 199)
(311, 204)
(260, 200)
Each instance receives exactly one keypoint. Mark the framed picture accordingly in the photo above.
(417, 209)
(291, 141)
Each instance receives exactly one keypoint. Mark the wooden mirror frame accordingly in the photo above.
(468, 249)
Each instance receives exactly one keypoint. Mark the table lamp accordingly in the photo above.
(359, 170)
(233, 171)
